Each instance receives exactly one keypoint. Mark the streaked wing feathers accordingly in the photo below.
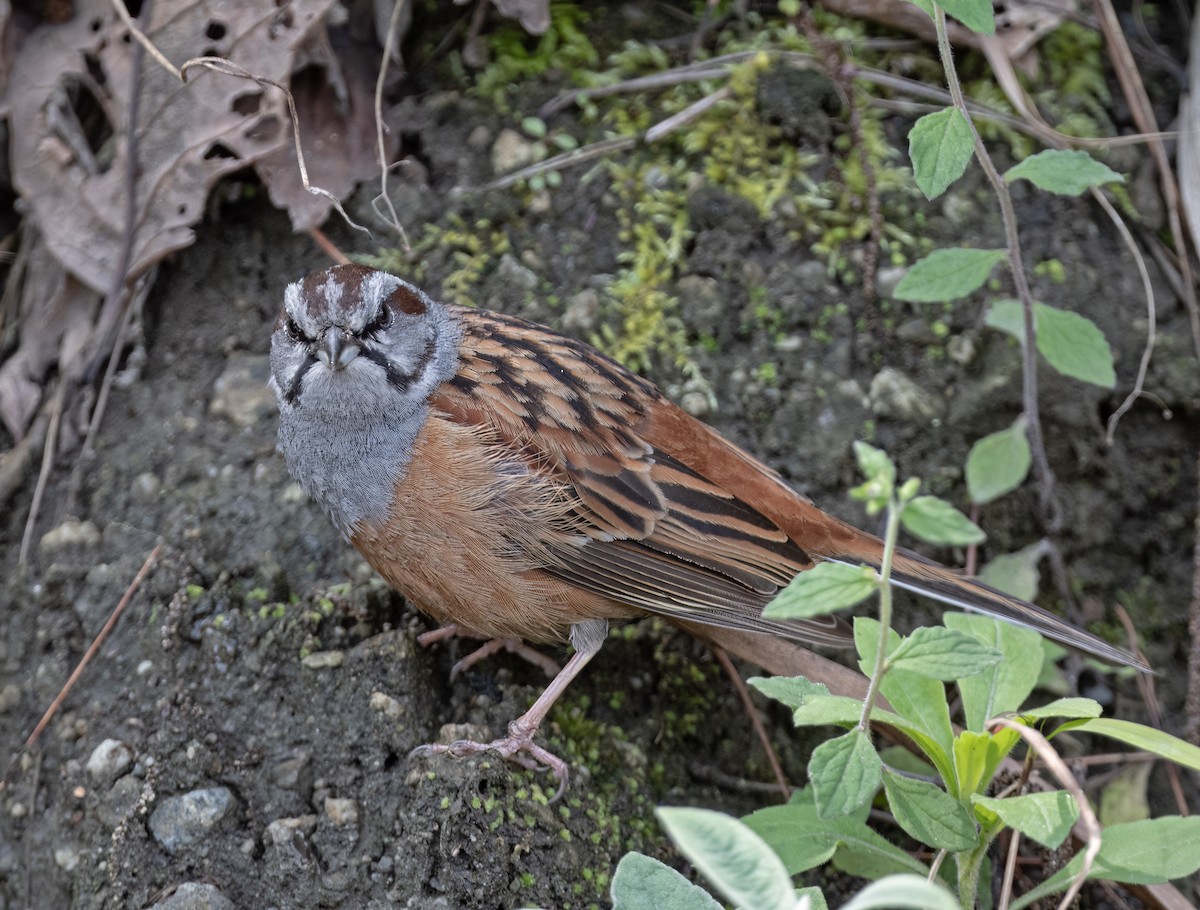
(658, 535)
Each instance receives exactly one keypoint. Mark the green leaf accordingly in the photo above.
(1138, 853)
(974, 14)
(1140, 737)
(978, 755)
(902, 892)
(816, 899)
(534, 127)
(920, 701)
(929, 813)
(947, 275)
(1071, 708)
(793, 691)
(1004, 686)
(1075, 346)
(998, 463)
(1072, 344)
(643, 883)
(845, 773)
(730, 855)
(875, 463)
(1067, 173)
(826, 587)
(940, 146)
(804, 841)
(1015, 573)
(936, 521)
(1046, 817)
(926, 5)
(941, 653)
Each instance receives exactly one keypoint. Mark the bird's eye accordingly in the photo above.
(382, 321)
(293, 329)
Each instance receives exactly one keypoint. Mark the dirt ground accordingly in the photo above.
(245, 730)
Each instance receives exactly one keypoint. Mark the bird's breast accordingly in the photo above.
(465, 535)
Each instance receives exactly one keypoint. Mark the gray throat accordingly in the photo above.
(350, 462)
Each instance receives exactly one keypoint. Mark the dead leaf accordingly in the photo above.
(189, 135)
(334, 97)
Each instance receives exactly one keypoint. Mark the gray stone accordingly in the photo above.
(70, 533)
(342, 812)
(109, 760)
(894, 394)
(511, 151)
(581, 313)
(120, 801)
(179, 821)
(195, 896)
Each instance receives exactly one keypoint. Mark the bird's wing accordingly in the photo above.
(634, 522)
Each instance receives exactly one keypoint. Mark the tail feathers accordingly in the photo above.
(913, 572)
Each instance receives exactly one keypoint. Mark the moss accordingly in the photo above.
(517, 57)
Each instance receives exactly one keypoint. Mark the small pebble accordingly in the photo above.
(109, 760)
(182, 820)
(323, 660)
(342, 812)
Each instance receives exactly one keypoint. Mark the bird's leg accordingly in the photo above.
(512, 645)
(587, 637)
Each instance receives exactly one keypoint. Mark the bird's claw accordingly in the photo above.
(518, 747)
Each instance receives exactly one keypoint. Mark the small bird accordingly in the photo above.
(515, 482)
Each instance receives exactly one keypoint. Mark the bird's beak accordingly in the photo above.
(336, 349)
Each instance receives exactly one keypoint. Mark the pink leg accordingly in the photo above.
(587, 638)
(487, 649)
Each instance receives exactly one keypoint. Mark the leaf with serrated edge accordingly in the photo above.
(929, 813)
(825, 588)
(845, 773)
(941, 653)
(1046, 817)
(936, 521)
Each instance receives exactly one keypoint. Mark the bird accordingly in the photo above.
(518, 483)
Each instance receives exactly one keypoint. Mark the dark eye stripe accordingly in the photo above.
(293, 389)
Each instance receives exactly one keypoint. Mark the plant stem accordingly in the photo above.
(1029, 396)
(891, 534)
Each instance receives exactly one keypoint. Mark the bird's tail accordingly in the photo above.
(915, 573)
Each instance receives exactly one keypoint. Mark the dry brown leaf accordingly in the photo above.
(54, 308)
(189, 134)
(333, 95)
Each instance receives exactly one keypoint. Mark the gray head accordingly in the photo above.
(355, 355)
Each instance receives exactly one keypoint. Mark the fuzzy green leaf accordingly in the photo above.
(947, 275)
(737, 861)
(826, 587)
(940, 653)
(643, 883)
(1046, 817)
(998, 463)
(845, 773)
(1068, 173)
(936, 521)
(940, 146)
(929, 813)
(1004, 686)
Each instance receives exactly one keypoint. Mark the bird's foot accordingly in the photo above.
(518, 747)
